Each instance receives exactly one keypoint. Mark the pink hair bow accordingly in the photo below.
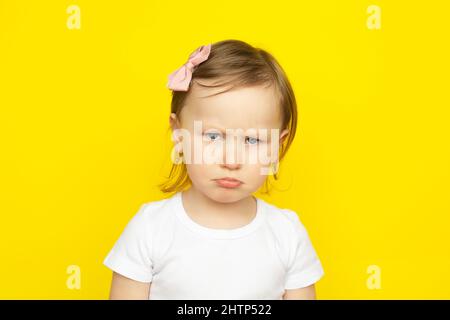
(180, 79)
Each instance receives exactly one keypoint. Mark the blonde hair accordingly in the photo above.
(236, 64)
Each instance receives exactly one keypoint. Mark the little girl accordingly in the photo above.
(212, 239)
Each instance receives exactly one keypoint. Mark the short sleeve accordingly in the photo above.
(131, 254)
(304, 266)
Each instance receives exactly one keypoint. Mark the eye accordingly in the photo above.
(252, 140)
(212, 136)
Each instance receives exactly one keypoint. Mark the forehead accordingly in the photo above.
(247, 107)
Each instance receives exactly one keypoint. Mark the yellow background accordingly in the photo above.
(84, 118)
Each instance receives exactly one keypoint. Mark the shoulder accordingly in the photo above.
(150, 215)
(287, 231)
(283, 220)
(154, 210)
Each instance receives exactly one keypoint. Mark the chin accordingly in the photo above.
(225, 195)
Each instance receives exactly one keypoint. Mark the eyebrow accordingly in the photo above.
(262, 136)
(207, 125)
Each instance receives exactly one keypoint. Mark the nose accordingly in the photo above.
(231, 166)
(231, 156)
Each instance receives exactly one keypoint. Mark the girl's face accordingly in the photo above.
(234, 134)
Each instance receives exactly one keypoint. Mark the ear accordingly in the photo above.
(174, 121)
(175, 126)
(284, 135)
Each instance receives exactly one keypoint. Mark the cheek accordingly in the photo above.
(201, 174)
(212, 152)
(262, 155)
(200, 151)
(255, 174)
(196, 172)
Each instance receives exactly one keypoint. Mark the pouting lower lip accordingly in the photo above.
(228, 183)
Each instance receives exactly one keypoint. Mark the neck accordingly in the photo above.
(201, 207)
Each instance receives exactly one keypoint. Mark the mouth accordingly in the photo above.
(228, 182)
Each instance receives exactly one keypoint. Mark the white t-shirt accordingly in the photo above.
(182, 259)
